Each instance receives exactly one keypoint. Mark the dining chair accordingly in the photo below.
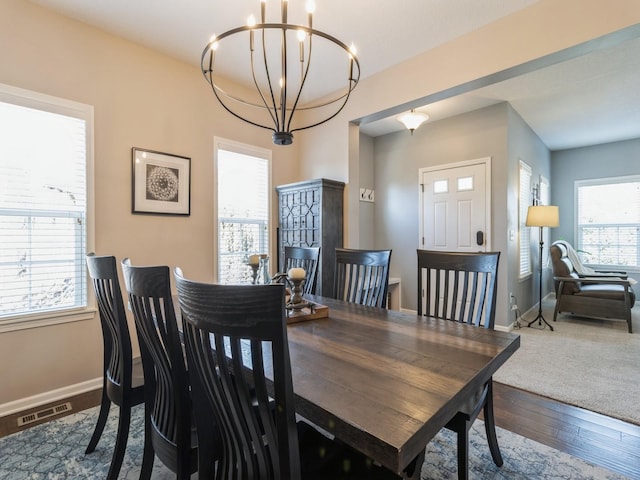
(462, 287)
(306, 258)
(123, 381)
(362, 276)
(236, 342)
(173, 434)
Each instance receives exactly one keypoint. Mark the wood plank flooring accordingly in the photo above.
(596, 438)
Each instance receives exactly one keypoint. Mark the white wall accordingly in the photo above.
(546, 27)
(141, 99)
(148, 100)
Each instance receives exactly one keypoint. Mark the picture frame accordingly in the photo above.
(161, 183)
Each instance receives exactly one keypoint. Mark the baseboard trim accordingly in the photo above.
(49, 397)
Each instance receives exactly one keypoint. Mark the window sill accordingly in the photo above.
(525, 277)
(617, 268)
(24, 322)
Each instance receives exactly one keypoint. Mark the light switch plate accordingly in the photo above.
(367, 195)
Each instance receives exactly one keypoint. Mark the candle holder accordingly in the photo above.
(265, 278)
(254, 273)
(296, 301)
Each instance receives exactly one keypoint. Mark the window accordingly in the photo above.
(45, 154)
(524, 231)
(465, 184)
(242, 208)
(608, 221)
(441, 186)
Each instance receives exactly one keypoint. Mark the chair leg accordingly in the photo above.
(490, 427)
(122, 436)
(463, 453)
(555, 310)
(105, 405)
(148, 454)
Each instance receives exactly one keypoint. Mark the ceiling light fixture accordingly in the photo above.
(413, 119)
(277, 97)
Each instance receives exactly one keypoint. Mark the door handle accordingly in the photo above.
(480, 237)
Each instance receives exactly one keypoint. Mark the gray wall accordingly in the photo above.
(600, 161)
(366, 216)
(397, 159)
(497, 132)
(525, 145)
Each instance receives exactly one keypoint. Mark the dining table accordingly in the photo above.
(386, 382)
(383, 381)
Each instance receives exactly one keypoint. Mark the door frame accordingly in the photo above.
(448, 166)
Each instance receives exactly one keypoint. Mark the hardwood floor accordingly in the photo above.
(596, 438)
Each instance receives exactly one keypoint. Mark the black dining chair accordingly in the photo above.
(174, 437)
(362, 276)
(306, 258)
(236, 342)
(123, 381)
(462, 287)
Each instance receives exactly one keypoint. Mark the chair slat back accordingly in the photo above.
(458, 286)
(236, 342)
(362, 276)
(113, 320)
(149, 290)
(307, 258)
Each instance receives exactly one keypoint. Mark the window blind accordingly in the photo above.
(608, 221)
(524, 231)
(43, 207)
(243, 213)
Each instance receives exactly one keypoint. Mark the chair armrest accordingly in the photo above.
(567, 279)
(604, 280)
(605, 273)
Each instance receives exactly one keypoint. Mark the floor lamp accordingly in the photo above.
(542, 216)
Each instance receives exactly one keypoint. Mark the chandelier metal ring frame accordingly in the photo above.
(279, 109)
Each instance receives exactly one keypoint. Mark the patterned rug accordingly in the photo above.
(55, 451)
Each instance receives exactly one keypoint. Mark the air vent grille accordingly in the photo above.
(46, 413)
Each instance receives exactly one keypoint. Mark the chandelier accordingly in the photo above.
(278, 59)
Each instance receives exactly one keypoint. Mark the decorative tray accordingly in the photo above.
(311, 311)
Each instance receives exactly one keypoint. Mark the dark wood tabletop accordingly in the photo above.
(387, 382)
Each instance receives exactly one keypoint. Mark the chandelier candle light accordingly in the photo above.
(277, 98)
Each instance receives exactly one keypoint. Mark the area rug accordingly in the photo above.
(593, 364)
(55, 451)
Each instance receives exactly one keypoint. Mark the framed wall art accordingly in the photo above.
(161, 183)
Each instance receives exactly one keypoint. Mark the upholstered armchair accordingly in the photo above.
(599, 295)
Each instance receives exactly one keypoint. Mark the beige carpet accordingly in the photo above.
(594, 364)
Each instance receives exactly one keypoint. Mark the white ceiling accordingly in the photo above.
(587, 100)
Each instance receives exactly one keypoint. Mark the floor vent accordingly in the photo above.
(46, 413)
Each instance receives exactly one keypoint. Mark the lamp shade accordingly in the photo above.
(543, 216)
(413, 119)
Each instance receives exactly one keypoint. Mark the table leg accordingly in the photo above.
(413, 470)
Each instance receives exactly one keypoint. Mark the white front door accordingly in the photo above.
(455, 207)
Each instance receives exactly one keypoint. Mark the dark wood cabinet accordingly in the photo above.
(311, 215)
